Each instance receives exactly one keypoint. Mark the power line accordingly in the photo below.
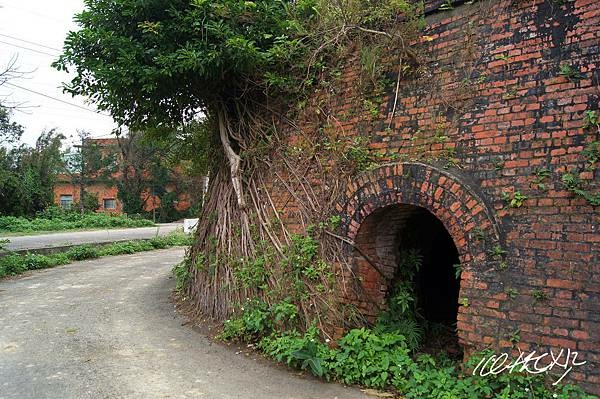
(37, 14)
(29, 42)
(54, 98)
(30, 49)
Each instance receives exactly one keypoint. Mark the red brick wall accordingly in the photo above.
(489, 98)
(103, 191)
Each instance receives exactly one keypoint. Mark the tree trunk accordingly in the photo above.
(233, 158)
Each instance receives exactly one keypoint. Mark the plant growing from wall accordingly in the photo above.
(570, 72)
(541, 176)
(514, 200)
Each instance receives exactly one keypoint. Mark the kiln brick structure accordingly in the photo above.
(489, 112)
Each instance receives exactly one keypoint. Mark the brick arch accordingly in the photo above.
(383, 200)
(468, 219)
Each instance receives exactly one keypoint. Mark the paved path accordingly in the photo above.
(107, 329)
(87, 237)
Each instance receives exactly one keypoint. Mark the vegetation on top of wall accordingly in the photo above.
(55, 219)
(13, 264)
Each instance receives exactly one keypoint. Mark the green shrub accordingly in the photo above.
(83, 252)
(13, 264)
(303, 351)
(54, 218)
(369, 358)
(233, 329)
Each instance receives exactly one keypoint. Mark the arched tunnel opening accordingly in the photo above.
(417, 266)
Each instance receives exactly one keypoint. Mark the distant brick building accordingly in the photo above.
(67, 191)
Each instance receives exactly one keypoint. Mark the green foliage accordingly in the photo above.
(457, 270)
(539, 295)
(369, 358)
(83, 252)
(497, 252)
(478, 234)
(514, 337)
(541, 175)
(401, 315)
(591, 120)
(302, 252)
(309, 356)
(332, 223)
(299, 350)
(28, 174)
(515, 200)
(284, 312)
(10, 132)
(255, 321)
(370, 62)
(381, 359)
(13, 264)
(570, 72)
(592, 153)
(88, 163)
(153, 175)
(181, 271)
(89, 202)
(573, 183)
(55, 218)
(357, 155)
(201, 53)
(253, 273)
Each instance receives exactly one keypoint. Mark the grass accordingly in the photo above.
(55, 219)
(14, 264)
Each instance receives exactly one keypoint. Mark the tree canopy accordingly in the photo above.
(161, 62)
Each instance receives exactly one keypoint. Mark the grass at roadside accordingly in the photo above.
(56, 220)
(14, 264)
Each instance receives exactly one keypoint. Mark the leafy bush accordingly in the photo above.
(369, 358)
(303, 351)
(54, 218)
(83, 252)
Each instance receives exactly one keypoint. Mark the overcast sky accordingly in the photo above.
(34, 31)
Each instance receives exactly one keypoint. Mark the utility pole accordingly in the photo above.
(81, 172)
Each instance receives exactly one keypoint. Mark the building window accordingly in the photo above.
(110, 203)
(66, 201)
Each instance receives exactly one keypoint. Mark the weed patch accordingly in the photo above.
(55, 219)
(13, 264)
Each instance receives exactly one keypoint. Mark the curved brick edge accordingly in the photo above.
(458, 206)
(465, 215)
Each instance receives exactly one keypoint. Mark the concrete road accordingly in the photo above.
(106, 328)
(61, 239)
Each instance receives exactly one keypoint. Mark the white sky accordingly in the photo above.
(39, 23)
